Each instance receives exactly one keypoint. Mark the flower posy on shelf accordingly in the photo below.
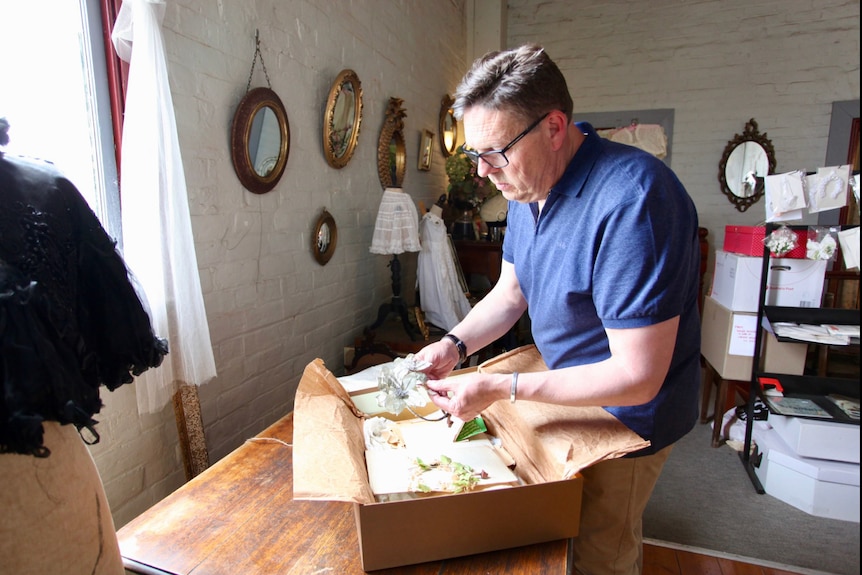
(781, 241)
(467, 190)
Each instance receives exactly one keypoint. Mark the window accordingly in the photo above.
(56, 95)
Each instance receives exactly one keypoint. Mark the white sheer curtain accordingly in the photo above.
(157, 236)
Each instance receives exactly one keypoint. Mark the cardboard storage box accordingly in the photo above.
(817, 486)
(727, 343)
(818, 439)
(550, 446)
(791, 282)
(748, 240)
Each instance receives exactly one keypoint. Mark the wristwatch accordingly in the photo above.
(460, 345)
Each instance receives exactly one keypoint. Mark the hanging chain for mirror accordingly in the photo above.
(257, 55)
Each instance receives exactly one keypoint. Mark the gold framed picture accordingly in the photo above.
(426, 147)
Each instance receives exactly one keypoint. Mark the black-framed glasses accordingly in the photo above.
(497, 158)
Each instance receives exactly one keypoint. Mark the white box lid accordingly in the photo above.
(821, 469)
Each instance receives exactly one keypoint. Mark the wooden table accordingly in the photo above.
(239, 518)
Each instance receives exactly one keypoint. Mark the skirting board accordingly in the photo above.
(732, 557)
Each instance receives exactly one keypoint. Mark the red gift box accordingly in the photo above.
(748, 241)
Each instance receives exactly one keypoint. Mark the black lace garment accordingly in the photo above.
(70, 318)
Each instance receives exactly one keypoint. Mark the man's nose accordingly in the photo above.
(484, 168)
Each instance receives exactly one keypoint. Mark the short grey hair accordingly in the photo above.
(523, 80)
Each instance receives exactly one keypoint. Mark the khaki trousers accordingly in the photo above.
(616, 492)
(55, 517)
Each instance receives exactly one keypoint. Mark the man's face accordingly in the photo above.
(524, 178)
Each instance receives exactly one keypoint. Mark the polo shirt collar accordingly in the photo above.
(579, 168)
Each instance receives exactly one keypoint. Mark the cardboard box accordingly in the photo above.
(817, 486)
(329, 464)
(748, 240)
(727, 343)
(791, 282)
(818, 439)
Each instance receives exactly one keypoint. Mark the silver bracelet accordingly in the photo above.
(514, 389)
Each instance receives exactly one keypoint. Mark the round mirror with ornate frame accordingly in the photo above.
(391, 151)
(260, 140)
(747, 160)
(342, 118)
(448, 128)
(324, 238)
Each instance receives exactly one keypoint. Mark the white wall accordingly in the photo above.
(272, 309)
(717, 63)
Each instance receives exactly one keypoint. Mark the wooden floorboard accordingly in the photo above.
(660, 560)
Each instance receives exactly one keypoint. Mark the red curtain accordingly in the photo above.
(118, 74)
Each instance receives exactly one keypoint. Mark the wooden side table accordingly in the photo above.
(725, 398)
(480, 257)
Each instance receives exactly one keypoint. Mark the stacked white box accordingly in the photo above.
(791, 282)
(817, 486)
(818, 439)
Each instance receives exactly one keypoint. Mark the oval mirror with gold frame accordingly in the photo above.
(342, 119)
(260, 140)
(747, 160)
(391, 150)
(448, 128)
(324, 238)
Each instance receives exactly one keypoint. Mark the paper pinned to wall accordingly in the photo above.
(650, 138)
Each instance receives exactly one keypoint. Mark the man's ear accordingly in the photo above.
(557, 124)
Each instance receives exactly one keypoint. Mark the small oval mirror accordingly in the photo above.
(342, 119)
(391, 149)
(448, 128)
(265, 141)
(748, 158)
(260, 140)
(324, 238)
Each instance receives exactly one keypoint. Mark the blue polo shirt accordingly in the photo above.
(616, 246)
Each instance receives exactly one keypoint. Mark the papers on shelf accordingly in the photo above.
(824, 334)
(849, 405)
(796, 406)
(848, 330)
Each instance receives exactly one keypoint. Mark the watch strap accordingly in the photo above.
(460, 345)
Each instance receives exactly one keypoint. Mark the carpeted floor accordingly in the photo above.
(704, 498)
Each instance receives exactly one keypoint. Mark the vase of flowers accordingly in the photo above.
(466, 192)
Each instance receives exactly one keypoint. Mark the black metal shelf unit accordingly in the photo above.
(809, 387)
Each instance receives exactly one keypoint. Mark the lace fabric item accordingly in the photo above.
(785, 196)
(396, 229)
(443, 299)
(70, 317)
(401, 385)
(827, 189)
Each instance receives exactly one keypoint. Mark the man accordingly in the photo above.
(601, 248)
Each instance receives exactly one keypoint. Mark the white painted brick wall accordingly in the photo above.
(717, 63)
(272, 309)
